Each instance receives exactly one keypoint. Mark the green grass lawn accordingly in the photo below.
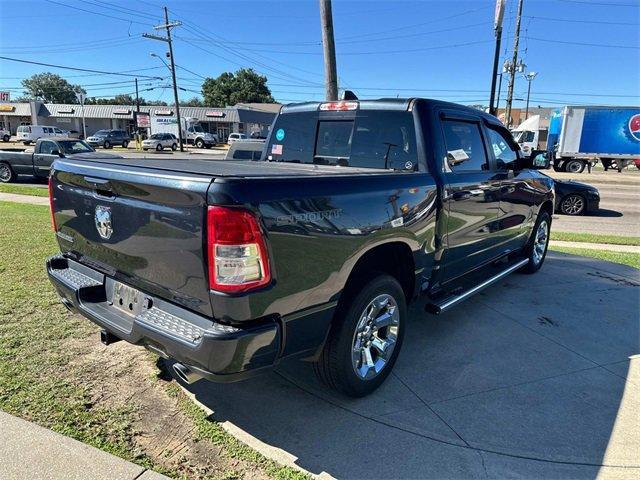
(624, 258)
(24, 189)
(42, 375)
(594, 238)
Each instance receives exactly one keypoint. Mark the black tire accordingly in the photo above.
(26, 143)
(125, 144)
(6, 138)
(7, 175)
(535, 261)
(174, 147)
(107, 144)
(574, 166)
(159, 147)
(573, 204)
(199, 143)
(335, 367)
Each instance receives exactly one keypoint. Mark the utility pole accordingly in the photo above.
(137, 98)
(329, 47)
(497, 27)
(168, 26)
(512, 78)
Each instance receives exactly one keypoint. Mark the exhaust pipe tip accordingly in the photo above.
(185, 374)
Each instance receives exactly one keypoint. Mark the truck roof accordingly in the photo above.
(398, 104)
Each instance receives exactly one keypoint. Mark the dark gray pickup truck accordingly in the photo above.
(38, 162)
(355, 209)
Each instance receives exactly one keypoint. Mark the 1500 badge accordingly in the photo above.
(309, 217)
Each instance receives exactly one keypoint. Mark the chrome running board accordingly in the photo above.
(442, 306)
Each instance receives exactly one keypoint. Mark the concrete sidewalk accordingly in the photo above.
(17, 198)
(596, 246)
(30, 451)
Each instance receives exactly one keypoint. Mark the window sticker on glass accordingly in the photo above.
(276, 149)
(458, 155)
(280, 134)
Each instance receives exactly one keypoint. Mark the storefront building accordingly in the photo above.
(241, 118)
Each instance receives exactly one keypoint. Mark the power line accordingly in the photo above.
(548, 40)
(76, 68)
(573, 20)
(396, 29)
(601, 4)
(98, 13)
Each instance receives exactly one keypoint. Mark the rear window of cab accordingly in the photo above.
(369, 139)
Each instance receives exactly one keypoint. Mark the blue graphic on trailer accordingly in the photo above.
(280, 134)
(555, 126)
(611, 131)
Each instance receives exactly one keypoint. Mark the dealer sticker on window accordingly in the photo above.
(276, 149)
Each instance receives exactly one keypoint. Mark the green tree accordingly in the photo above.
(193, 102)
(245, 86)
(51, 88)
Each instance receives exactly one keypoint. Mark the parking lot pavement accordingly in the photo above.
(539, 376)
(28, 451)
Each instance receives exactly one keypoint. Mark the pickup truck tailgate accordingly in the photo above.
(139, 227)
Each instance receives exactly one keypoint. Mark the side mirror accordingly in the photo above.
(540, 160)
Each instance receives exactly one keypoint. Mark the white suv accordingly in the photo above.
(158, 141)
(234, 137)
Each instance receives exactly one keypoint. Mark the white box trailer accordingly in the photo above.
(583, 135)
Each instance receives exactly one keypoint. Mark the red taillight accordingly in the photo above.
(53, 217)
(236, 250)
(338, 106)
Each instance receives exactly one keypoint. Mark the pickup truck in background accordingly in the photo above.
(355, 209)
(37, 161)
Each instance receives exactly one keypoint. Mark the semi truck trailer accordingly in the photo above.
(580, 136)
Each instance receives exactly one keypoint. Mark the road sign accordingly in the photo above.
(5, 96)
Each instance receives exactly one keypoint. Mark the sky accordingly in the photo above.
(585, 51)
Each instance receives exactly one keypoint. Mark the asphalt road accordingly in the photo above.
(619, 205)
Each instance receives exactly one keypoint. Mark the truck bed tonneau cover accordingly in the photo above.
(226, 168)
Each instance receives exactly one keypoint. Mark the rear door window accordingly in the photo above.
(465, 147)
(372, 139)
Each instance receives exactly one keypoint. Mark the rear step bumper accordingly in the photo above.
(448, 302)
(217, 352)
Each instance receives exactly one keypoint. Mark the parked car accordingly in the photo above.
(636, 162)
(5, 134)
(160, 141)
(359, 208)
(109, 138)
(234, 137)
(38, 162)
(575, 198)
(249, 150)
(75, 134)
(28, 134)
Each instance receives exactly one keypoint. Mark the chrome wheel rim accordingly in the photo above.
(375, 337)
(572, 205)
(5, 173)
(540, 242)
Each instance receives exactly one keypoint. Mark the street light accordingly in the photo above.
(162, 60)
(529, 78)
